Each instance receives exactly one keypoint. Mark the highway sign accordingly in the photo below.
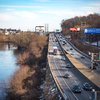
(92, 30)
(57, 30)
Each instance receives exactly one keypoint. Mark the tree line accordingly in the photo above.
(92, 20)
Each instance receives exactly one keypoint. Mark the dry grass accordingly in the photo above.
(17, 80)
(22, 58)
(25, 81)
(84, 48)
(3, 38)
(36, 47)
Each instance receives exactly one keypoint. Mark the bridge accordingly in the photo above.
(64, 61)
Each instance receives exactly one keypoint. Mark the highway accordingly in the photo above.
(57, 64)
(67, 47)
(85, 61)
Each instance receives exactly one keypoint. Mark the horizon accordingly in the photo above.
(25, 15)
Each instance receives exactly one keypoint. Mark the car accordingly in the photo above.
(67, 75)
(82, 57)
(71, 49)
(76, 89)
(87, 86)
(68, 65)
(63, 43)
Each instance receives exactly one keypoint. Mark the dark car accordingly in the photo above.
(71, 49)
(76, 89)
(67, 75)
(82, 57)
(87, 86)
(68, 65)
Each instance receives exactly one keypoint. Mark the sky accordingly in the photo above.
(26, 14)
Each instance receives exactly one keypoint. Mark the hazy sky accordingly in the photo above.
(26, 14)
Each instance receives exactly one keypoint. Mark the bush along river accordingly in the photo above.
(7, 67)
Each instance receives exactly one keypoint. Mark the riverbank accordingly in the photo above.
(27, 80)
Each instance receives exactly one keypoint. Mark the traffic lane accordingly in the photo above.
(85, 95)
(66, 88)
(61, 81)
(84, 60)
(78, 73)
(83, 79)
(70, 81)
(77, 55)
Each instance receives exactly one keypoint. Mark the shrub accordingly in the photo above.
(22, 58)
(24, 84)
(17, 80)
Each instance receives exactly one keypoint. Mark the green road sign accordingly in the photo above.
(57, 30)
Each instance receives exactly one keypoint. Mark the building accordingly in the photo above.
(9, 31)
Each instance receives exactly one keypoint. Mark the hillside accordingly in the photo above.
(92, 20)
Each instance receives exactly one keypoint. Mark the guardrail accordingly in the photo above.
(64, 97)
(76, 48)
(64, 52)
(82, 53)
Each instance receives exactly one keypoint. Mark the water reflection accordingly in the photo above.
(7, 67)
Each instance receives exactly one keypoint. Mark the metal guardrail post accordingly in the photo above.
(94, 94)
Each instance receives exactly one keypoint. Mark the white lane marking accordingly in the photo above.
(66, 83)
(74, 55)
(87, 94)
(86, 60)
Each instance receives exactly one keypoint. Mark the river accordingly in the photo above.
(7, 67)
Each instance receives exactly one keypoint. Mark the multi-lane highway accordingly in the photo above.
(59, 66)
(82, 60)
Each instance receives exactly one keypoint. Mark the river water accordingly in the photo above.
(7, 67)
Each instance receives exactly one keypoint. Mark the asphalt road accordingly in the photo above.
(82, 59)
(57, 66)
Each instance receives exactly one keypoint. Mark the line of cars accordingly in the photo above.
(77, 88)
